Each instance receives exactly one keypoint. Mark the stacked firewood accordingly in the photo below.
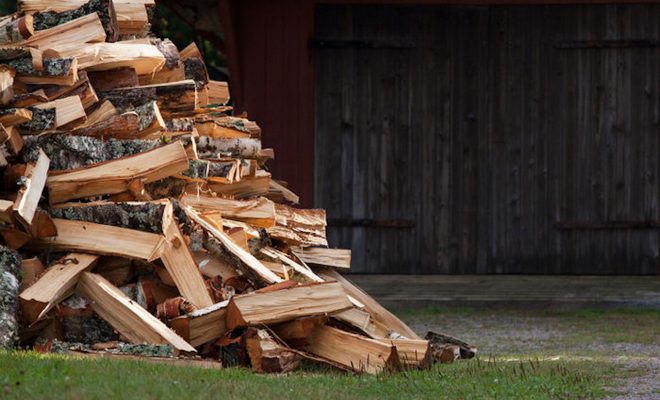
(138, 216)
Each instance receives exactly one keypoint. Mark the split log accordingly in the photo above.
(128, 318)
(336, 258)
(203, 325)
(113, 79)
(356, 318)
(412, 353)
(180, 263)
(195, 69)
(144, 58)
(67, 5)
(43, 119)
(124, 126)
(15, 116)
(299, 227)
(31, 268)
(33, 183)
(297, 331)
(81, 88)
(286, 194)
(150, 120)
(254, 266)
(145, 217)
(55, 285)
(171, 97)
(13, 237)
(218, 92)
(6, 211)
(12, 138)
(67, 110)
(10, 273)
(102, 112)
(68, 152)
(258, 212)
(103, 8)
(190, 51)
(7, 75)
(52, 71)
(86, 29)
(278, 255)
(42, 225)
(114, 176)
(439, 341)
(356, 352)
(286, 304)
(246, 187)
(385, 324)
(133, 18)
(268, 356)
(101, 239)
(16, 28)
(208, 147)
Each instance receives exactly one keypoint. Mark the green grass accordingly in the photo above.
(591, 345)
(26, 375)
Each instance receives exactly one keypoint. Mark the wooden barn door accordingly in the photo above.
(490, 139)
(397, 98)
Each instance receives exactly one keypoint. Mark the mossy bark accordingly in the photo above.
(180, 124)
(145, 115)
(104, 9)
(197, 169)
(69, 152)
(10, 279)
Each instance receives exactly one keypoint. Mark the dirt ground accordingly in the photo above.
(630, 339)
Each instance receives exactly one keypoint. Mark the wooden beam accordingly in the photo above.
(286, 304)
(126, 316)
(55, 285)
(114, 176)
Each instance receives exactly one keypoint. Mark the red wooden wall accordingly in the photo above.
(272, 74)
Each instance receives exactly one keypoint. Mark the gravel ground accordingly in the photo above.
(631, 341)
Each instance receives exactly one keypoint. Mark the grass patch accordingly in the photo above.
(35, 376)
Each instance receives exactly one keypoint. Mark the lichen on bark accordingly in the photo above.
(69, 152)
(103, 8)
(145, 217)
(52, 66)
(197, 169)
(42, 119)
(10, 279)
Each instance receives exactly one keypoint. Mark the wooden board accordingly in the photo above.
(126, 316)
(286, 304)
(114, 176)
(55, 285)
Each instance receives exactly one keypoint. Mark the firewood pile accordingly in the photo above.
(138, 216)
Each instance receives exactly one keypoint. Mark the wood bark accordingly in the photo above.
(10, 273)
(171, 97)
(103, 8)
(14, 29)
(114, 176)
(145, 217)
(122, 77)
(68, 152)
(208, 147)
(15, 116)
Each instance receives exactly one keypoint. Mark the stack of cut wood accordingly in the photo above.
(145, 218)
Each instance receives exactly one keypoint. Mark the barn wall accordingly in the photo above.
(490, 139)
